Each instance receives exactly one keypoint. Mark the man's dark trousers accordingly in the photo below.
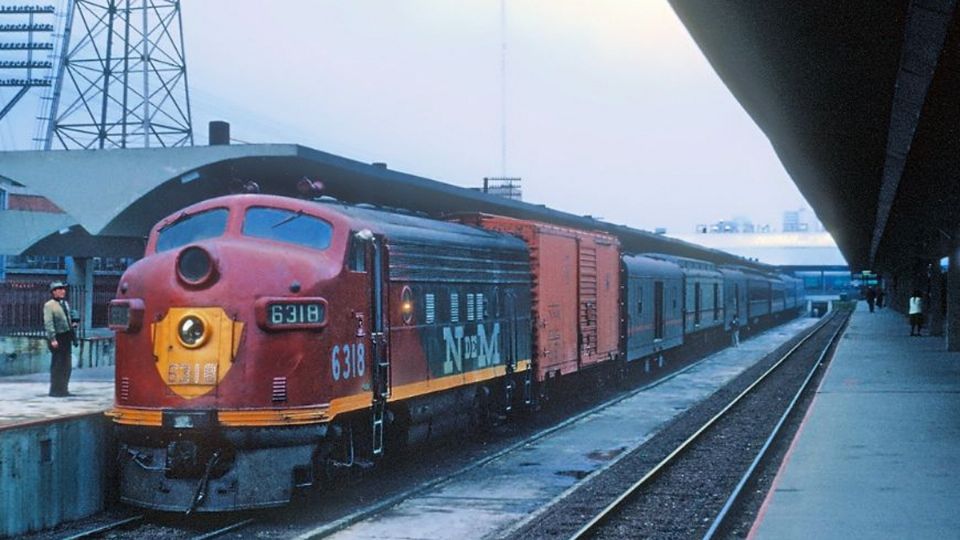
(61, 365)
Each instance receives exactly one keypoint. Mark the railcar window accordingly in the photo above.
(287, 226)
(191, 228)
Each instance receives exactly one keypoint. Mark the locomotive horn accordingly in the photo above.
(244, 186)
(309, 188)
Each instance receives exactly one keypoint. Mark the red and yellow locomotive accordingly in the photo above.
(263, 340)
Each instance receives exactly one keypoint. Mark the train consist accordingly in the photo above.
(265, 341)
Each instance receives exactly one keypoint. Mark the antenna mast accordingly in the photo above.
(503, 88)
(503, 185)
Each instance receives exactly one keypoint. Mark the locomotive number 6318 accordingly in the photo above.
(291, 313)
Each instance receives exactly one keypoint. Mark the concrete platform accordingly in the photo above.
(878, 454)
(23, 398)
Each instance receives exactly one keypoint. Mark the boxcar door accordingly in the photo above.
(588, 289)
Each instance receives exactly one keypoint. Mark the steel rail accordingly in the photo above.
(97, 531)
(623, 497)
(748, 475)
(224, 530)
(104, 528)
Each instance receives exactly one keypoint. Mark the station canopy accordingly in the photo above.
(859, 101)
(111, 198)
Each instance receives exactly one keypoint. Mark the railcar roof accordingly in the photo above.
(691, 267)
(685, 262)
(649, 266)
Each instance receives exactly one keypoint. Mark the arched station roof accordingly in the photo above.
(111, 198)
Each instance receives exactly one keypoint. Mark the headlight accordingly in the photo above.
(192, 331)
(195, 266)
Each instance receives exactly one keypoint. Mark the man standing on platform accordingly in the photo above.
(59, 329)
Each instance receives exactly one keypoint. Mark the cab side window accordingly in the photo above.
(357, 255)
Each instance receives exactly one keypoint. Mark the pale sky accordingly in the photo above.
(611, 110)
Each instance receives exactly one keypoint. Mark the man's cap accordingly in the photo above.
(57, 285)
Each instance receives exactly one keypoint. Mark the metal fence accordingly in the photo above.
(21, 306)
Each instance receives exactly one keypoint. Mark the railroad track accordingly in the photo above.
(100, 530)
(430, 497)
(156, 526)
(682, 495)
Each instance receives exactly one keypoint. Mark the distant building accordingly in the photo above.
(736, 225)
(725, 227)
(799, 221)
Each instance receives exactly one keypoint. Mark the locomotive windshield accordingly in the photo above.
(190, 228)
(287, 226)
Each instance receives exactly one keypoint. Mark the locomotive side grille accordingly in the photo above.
(454, 307)
(279, 389)
(430, 308)
(125, 389)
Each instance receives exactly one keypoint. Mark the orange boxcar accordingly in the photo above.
(575, 301)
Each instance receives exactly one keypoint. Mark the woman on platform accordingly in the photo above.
(916, 312)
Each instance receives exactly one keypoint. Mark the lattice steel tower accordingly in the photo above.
(123, 82)
(25, 42)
